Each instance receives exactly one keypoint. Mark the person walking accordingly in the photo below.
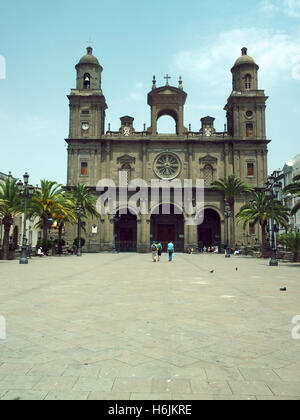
(171, 250)
(159, 250)
(154, 251)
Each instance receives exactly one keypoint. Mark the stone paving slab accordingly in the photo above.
(112, 396)
(67, 396)
(118, 327)
(92, 384)
(24, 395)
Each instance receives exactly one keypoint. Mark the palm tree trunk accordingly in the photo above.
(45, 229)
(59, 250)
(5, 248)
(295, 256)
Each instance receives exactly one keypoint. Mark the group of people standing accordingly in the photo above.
(157, 250)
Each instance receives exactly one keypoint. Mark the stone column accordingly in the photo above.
(186, 236)
(96, 115)
(70, 165)
(259, 132)
(108, 151)
(223, 232)
(77, 121)
(77, 166)
(108, 230)
(260, 168)
(144, 234)
(144, 161)
(190, 151)
(235, 121)
(237, 168)
(263, 122)
(265, 160)
(193, 237)
(153, 120)
(226, 160)
(180, 120)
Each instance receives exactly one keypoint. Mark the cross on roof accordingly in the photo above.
(167, 77)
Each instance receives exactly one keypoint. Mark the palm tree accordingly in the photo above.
(65, 214)
(292, 241)
(232, 187)
(11, 205)
(294, 189)
(46, 201)
(258, 211)
(81, 195)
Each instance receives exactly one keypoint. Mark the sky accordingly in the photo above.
(41, 42)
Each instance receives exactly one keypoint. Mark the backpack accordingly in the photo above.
(154, 248)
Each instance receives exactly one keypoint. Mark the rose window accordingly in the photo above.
(167, 166)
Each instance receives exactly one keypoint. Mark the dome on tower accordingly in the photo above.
(89, 58)
(244, 59)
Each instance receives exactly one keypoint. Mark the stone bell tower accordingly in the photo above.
(87, 103)
(246, 104)
(87, 122)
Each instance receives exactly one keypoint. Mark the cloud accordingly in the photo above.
(32, 126)
(290, 8)
(277, 54)
(137, 94)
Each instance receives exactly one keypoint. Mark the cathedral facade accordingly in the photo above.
(95, 153)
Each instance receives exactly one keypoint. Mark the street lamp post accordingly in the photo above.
(79, 214)
(227, 214)
(26, 191)
(115, 220)
(272, 190)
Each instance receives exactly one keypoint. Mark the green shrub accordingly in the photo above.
(247, 250)
(292, 241)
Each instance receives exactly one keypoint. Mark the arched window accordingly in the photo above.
(248, 81)
(208, 175)
(249, 130)
(87, 81)
(127, 168)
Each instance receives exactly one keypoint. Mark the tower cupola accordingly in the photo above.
(245, 73)
(89, 72)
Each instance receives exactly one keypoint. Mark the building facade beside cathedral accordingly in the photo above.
(95, 154)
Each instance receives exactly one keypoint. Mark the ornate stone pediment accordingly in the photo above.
(166, 92)
(126, 159)
(208, 159)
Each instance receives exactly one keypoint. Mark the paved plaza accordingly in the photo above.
(120, 327)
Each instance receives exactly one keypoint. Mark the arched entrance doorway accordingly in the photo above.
(168, 227)
(126, 232)
(209, 232)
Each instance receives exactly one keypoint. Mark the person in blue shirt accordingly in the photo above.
(171, 250)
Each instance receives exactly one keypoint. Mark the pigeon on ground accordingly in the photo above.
(212, 271)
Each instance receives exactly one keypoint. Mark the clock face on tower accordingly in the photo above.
(85, 126)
